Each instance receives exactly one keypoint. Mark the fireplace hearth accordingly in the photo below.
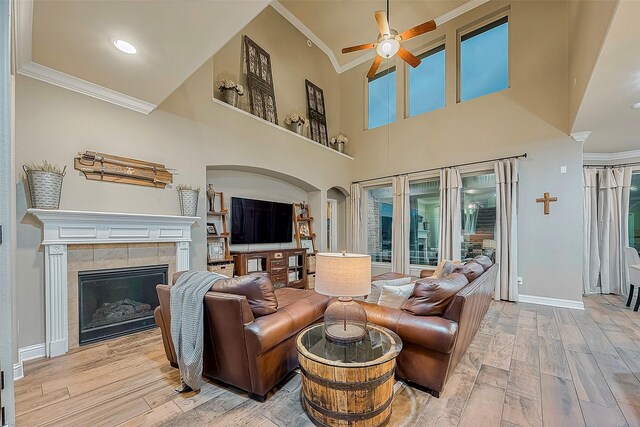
(117, 301)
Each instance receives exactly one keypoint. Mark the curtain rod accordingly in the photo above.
(612, 166)
(442, 167)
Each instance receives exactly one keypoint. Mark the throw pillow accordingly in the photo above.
(472, 270)
(376, 287)
(395, 296)
(441, 265)
(484, 261)
(448, 268)
(431, 296)
(256, 287)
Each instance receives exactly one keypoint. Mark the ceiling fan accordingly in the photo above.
(388, 43)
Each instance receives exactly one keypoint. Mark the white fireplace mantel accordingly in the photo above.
(64, 227)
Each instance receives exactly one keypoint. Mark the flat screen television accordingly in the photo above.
(259, 221)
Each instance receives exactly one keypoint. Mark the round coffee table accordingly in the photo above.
(348, 384)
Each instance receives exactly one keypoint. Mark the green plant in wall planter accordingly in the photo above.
(188, 197)
(45, 184)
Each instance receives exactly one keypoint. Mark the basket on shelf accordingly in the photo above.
(45, 187)
(224, 269)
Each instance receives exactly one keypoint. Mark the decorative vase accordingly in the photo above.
(230, 96)
(188, 202)
(44, 188)
(340, 146)
(297, 128)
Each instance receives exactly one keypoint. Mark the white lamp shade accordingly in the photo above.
(343, 275)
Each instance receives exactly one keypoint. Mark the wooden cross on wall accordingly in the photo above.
(546, 200)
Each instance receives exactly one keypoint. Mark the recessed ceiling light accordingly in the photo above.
(636, 105)
(125, 46)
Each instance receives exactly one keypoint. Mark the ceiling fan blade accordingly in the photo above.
(419, 29)
(383, 23)
(408, 57)
(359, 47)
(374, 67)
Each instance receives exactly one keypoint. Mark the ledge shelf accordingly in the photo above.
(282, 129)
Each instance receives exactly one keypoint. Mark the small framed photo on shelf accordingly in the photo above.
(308, 245)
(211, 228)
(303, 230)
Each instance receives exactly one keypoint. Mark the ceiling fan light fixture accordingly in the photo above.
(388, 47)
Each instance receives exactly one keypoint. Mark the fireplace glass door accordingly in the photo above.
(118, 301)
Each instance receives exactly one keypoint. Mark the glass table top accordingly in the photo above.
(378, 346)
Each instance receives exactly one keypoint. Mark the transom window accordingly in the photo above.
(382, 98)
(484, 60)
(427, 82)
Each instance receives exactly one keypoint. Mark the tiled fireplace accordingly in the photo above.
(80, 245)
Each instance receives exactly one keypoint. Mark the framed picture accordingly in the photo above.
(211, 228)
(303, 230)
(308, 245)
(317, 114)
(257, 66)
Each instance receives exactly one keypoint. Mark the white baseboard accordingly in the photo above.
(31, 352)
(553, 302)
(18, 372)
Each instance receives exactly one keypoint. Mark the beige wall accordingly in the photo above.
(292, 62)
(530, 116)
(589, 23)
(188, 132)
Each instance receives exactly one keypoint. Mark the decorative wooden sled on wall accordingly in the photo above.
(123, 170)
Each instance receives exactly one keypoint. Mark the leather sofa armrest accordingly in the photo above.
(432, 332)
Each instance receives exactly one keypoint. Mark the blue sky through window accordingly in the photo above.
(382, 99)
(427, 84)
(484, 62)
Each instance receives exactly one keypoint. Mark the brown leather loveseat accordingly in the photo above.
(434, 344)
(250, 349)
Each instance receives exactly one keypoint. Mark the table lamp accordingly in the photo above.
(344, 276)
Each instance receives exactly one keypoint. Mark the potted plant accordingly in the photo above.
(297, 123)
(188, 197)
(45, 184)
(338, 142)
(230, 91)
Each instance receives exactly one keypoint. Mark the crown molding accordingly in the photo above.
(605, 157)
(26, 67)
(581, 137)
(440, 20)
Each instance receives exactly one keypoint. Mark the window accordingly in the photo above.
(379, 218)
(427, 82)
(634, 212)
(478, 215)
(484, 60)
(424, 232)
(382, 98)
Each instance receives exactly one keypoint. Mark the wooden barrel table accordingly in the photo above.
(348, 384)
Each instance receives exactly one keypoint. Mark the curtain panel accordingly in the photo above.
(613, 224)
(506, 231)
(401, 225)
(590, 244)
(450, 214)
(357, 240)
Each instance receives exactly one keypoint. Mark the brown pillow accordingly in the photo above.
(432, 296)
(484, 261)
(472, 270)
(256, 287)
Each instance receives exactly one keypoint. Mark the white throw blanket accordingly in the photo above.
(187, 324)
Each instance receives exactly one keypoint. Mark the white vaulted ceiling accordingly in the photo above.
(606, 109)
(73, 39)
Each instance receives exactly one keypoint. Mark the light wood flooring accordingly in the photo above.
(527, 366)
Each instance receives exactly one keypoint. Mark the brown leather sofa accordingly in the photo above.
(433, 345)
(252, 354)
